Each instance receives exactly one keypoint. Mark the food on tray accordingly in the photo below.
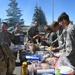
(42, 47)
(34, 47)
(46, 56)
(45, 66)
(57, 54)
(35, 66)
(48, 48)
(50, 60)
(38, 66)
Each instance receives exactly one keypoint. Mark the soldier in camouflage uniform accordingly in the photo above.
(5, 36)
(50, 36)
(19, 35)
(33, 31)
(68, 37)
(7, 58)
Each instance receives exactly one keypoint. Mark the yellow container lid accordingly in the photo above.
(24, 63)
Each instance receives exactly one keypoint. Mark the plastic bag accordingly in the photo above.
(63, 61)
(64, 65)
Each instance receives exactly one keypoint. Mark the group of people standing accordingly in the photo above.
(68, 37)
(60, 35)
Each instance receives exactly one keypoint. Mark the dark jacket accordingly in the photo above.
(50, 37)
(32, 31)
(19, 39)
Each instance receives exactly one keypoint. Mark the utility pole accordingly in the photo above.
(52, 10)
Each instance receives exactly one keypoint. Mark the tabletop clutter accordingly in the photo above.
(40, 60)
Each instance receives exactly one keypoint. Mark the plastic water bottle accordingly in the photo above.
(31, 71)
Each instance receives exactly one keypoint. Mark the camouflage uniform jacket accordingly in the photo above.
(7, 59)
(16, 32)
(70, 43)
(6, 38)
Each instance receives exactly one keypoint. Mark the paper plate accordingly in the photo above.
(65, 70)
